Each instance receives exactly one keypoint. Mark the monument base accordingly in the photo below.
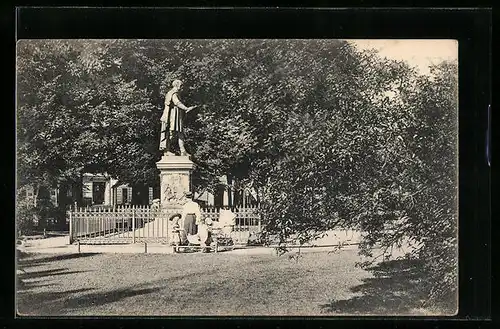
(175, 179)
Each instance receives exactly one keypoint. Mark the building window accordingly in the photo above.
(98, 189)
(129, 195)
(119, 196)
(125, 195)
(87, 190)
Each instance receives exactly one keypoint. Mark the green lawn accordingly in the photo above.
(207, 284)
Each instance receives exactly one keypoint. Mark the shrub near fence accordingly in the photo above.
(133, 224)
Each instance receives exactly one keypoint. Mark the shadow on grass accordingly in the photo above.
(34, 302)
(103, 298)
(40, 274)
(41, 303)
(61, 303)
(396, 288)
(22, 285)
(26, 261)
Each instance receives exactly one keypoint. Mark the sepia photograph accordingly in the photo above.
(236, 177)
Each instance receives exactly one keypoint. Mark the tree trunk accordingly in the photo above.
(78, 191)
(62, 204)
(62, 197)
(36, 190)
(229, 187)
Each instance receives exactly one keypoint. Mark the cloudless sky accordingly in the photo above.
(418, 53)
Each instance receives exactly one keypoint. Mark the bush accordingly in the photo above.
(50, 217)
(26, 218)
(44, 215)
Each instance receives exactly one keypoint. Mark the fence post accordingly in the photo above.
(87, 235)
(70, 226)
(133, 224)
(165, 221)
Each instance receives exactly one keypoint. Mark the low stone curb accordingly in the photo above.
(162, 249)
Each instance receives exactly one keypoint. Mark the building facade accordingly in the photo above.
(104, 190)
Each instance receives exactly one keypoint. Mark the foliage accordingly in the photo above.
(436, 206)
(76, 114)
(25, 217)
(32, 218)
(418, 204)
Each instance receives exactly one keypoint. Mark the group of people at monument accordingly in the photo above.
(191, 228)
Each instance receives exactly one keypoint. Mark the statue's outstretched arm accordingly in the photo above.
(178, 103)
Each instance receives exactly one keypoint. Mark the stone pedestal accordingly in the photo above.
(175, 179)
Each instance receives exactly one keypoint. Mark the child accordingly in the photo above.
(178, 236)
(227, 221)
(205, 234)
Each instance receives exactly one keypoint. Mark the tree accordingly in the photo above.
(43, 126)
(77, 113)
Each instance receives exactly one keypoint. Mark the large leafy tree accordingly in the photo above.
(78, 113)
(45, 125)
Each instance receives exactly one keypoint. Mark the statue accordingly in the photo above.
(172, 120)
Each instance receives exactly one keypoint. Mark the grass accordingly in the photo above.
(208, 284)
